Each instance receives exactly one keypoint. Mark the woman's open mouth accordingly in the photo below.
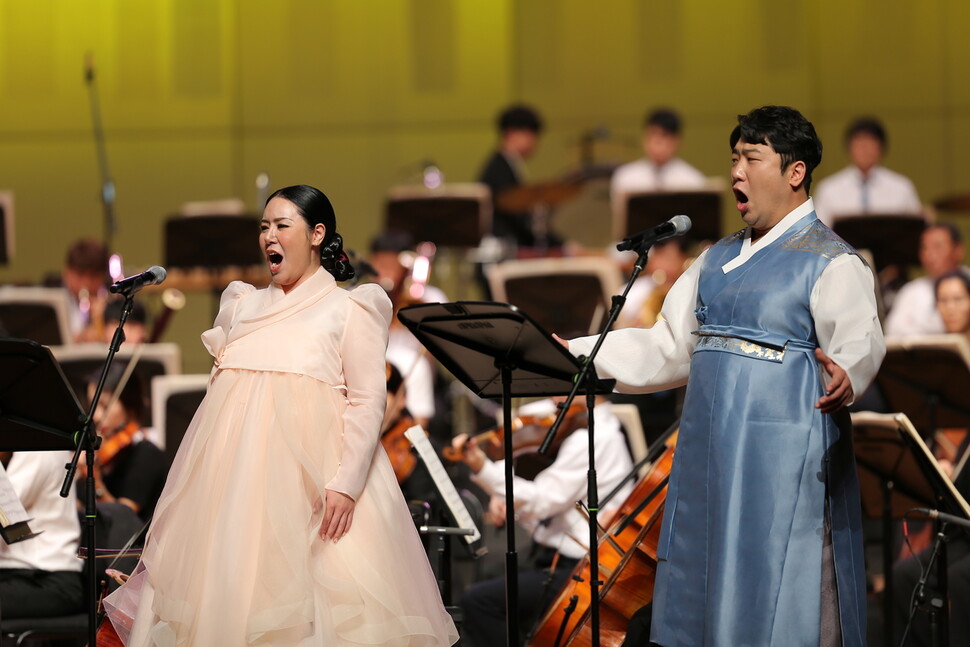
(274, 258)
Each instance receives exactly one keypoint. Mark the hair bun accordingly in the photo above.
(335, 260)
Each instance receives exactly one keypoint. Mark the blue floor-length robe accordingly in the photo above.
(757, 464)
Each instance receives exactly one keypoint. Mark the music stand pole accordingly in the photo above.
(511, 558)
(88, 441)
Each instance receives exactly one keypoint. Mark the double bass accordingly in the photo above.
(627, 559)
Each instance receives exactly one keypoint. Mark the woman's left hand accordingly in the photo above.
(337, 516)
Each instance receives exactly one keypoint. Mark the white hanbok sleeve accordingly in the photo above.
(362, 352)
(843, 304)
(644, 360)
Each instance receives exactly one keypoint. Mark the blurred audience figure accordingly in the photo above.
(41, 576)
(659, 169)
(914, 310)
(953, 301)
(865, 186)
(519, 128)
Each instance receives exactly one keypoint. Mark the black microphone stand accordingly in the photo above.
(587, 377)
(88, 441)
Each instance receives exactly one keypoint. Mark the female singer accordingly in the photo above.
(281, 522)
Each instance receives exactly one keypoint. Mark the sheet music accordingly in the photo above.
(447, 489)
(11, 509)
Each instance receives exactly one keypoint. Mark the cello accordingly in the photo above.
(627, 559)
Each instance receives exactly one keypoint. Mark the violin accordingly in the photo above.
(398, 448)
(111, 447)
(528, 433)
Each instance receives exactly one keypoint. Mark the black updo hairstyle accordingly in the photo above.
(315, 208)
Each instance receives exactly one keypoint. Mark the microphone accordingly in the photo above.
(942, 516)
(676, 226)
(152, 276)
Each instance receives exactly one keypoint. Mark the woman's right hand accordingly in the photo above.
(562, 342)
(337, 516)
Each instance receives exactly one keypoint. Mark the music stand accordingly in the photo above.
(212, 242)
(892, 239)
(35, 395)
(897, 473)
(452, 215)
(641, 211)
(498, 351)
(6, 227)
(568, 295)
(928, 379)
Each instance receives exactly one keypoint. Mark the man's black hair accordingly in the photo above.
(665, 119)
(867, 126)
(790, 134)
(520, 117)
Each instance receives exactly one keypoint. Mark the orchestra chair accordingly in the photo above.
(567, 296)
(629, 417)
(176, 399)
(38, 314)
(80, 361)
(115, 525)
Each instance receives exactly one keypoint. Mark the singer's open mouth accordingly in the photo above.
(742, 199)
(274, 259)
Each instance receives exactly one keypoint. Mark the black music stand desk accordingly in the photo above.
(644, 210)
(497, 351)
(897, 473)
(35, 396)
(893, 239)
(928, 379)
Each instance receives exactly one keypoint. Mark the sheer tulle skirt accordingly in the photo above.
(233, 556)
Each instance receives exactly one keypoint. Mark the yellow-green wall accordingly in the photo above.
(199, 96)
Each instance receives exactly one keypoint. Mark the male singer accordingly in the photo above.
(776, 326)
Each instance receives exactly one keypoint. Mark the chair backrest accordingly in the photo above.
(176, 398)
(568, 296)
(80, 361)
(38, 314)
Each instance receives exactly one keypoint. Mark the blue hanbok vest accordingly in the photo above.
(741, 542)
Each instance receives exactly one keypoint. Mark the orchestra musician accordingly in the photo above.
(546, 507)
(129, 468)
(775, 330)
(282, 521)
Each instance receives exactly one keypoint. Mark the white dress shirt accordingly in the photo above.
(546, 505)
(37, 478)
(843, 305)
(883, 192)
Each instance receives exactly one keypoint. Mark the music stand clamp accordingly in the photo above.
(497, 351)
